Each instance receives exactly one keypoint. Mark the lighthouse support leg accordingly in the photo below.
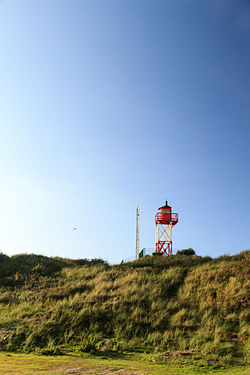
(163, 239)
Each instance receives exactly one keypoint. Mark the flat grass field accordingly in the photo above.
(134, 364)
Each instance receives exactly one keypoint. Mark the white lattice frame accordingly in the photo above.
(164, 232)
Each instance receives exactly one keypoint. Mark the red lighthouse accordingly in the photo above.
(164, 222)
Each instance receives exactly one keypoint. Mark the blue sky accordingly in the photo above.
(104, 104)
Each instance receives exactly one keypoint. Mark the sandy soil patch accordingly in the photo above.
(101, 371)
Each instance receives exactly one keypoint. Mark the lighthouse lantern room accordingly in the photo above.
(164, 222)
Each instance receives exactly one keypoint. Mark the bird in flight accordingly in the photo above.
(75, 228)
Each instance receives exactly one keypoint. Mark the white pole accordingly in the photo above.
(137, 231)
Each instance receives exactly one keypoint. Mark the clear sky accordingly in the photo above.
(106, 103)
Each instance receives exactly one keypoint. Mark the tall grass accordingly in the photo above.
(175, 303)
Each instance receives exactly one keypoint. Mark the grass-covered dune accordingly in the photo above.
(180, 303)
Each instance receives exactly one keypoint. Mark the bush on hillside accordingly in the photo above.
(90, 262)
(54, 350)
(188, 251)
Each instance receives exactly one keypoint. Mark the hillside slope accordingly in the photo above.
(175, 303)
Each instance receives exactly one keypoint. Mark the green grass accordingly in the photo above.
(27, 364)
(156, 304)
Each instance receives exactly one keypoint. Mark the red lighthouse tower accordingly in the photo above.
(164, 222)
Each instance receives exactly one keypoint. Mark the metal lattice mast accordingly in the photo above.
(137, 231)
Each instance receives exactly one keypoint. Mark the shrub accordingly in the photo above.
(89, 345)
(51, 351)
(189, 251)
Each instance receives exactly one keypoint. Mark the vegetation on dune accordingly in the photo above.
(113, 363)
(178, 303)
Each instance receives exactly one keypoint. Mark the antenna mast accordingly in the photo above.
(137, 231)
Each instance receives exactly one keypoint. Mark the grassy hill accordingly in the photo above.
(181, 303)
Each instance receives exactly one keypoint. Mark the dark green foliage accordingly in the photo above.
(189, 251)
(51, 351)
(177, 303)
(160, 262)
(92, 262)
(90, 344)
